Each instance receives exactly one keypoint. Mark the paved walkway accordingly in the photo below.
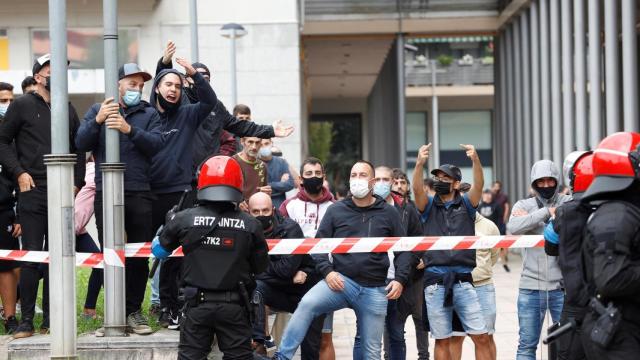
(506, 335)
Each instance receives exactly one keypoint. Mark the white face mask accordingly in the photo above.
(3, 109)
(359, 188)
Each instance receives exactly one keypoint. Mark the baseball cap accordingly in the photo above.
(451, 170)
(129, 69)
(41, 62)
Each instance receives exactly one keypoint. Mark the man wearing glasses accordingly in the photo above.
(447, 279)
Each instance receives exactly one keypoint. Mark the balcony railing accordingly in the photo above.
(350, 7)
(480, 72)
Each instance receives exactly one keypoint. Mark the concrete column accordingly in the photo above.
(579, 66)
(556, 95)
(568, 120)
(612, 67)
(193, 26)
(504, 116)
(545, 80)
(527, 144)
(402, 125)
(595, 80)
(629, 65)
(536, 137)
(511, 178)
(519, 131)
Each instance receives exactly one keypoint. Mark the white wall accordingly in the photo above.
(268, 58)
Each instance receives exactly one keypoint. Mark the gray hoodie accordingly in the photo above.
(540, 272)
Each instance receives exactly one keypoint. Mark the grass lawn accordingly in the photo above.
(90, 325)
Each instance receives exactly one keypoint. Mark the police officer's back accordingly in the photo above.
(224, 248)
(612, 251)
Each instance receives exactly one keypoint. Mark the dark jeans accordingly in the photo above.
(227, 321)
(85, 243)
(171, 269)
(137, 211)
(284, 299)
(32, 207)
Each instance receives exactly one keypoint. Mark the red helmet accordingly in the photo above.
(582, 173)
(220, 179)
(616, 163)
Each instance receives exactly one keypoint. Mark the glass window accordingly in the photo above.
(416, 130)
(85, 47)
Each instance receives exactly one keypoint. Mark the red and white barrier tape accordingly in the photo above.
(306, 246)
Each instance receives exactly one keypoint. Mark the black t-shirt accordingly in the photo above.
(492, 211)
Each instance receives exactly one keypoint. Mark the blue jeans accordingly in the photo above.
(532, 306)
(155, 286)
(466, 304)
(395, 330)
(369, 304)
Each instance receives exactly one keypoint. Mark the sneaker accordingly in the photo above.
(138, 324)
(506, 268)
(155, 309)
(44, 328)
(99, 332)
(175, 321)
(24, 330)
(10, 325)
(165, 318)
(269, 344)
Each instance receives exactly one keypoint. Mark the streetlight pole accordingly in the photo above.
(193, 12)
(113, 188)
(61, 239)
(435, 121)
(233, 31)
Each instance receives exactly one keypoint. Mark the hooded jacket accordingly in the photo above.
(27, 124)
(136, 148)
(171, 167)
(306, 212)
(282, 268)
(346, 219)
(540, 272)
(206, 141)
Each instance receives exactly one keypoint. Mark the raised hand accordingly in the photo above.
(190, 70)
(423, 154)
(281, 129)
(471, 151)
(169, 51)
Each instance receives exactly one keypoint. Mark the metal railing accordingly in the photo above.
(347, 7)
(478, 73)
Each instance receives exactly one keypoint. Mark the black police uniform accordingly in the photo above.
(223, 247)
(612, 267)
(569, 224)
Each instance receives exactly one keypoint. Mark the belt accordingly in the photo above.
(219, 296)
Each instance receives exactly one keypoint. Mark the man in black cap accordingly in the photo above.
(28, 125)
(447, 278)
(140, 138)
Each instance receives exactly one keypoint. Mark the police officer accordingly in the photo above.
(611, 250)
(563, 238)
(224, 248)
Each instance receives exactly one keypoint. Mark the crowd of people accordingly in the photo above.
(213, 182)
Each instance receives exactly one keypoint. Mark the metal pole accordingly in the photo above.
(556, 95)
(526, 97)
(510, 113)
(545, 83)
(568, 120)
(402, 127)
(612, 70)
(580, 71)
(535, 83)
(435, 118)
(113, 186)
(61, 239)
(193, 14)
(518, 148)
(595, 81)
(629, 65)
(504, 135)
(234, 85)
(496, 146)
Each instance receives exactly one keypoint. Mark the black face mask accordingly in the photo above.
(442, 188)
(166, 105)
(546, 192)
(266, 221)
(48, 84)
(191, 93)
(312, 185)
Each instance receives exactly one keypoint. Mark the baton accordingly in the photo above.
(559, 332)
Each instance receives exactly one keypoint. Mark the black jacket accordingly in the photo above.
(7, 186)
(282, 268)
(206, 140)
(171, 167)
(222, 246)
(612, 256)
(136, 148)
(345, 219)
(28, 123)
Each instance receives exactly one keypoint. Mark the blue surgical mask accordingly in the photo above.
(382, 189)
(264, 152)
(132, 97)
(3, 109)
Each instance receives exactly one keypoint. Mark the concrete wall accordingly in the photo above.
(268, 58)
